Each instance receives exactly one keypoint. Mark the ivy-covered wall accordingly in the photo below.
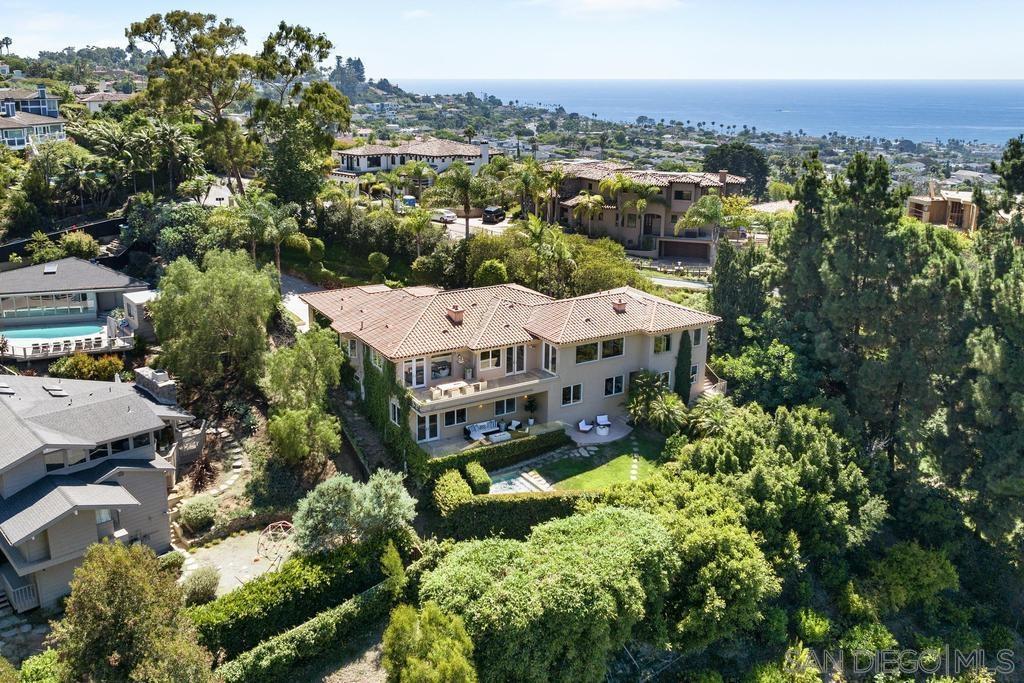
(379, 387)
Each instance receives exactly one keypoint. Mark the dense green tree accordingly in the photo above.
(300, 375)
(491, 272)
(294, 167)
(739, 292)
(304, 437)
(456, 186)
(124, 621)
(427, 646)
(212, 322)
(740, 158)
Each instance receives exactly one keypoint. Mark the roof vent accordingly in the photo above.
(50, 269)
(455, 313)
(619, 305)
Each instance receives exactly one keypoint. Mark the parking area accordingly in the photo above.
(457, 230)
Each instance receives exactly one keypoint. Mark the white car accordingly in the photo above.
(444, 215)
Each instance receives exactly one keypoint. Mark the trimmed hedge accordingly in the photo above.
(498, 455)
(276, 658)
(451, 491)
(512, 515)
(477, 478)
(277, 601)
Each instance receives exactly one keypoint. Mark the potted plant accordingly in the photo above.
(531, 408)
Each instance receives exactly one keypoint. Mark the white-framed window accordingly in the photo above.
(663, 343)
(455, 417)
(395, 411)
(351, 348)
(697, 336)
(515, 359)
(572, 394)
(103, 516)
(441, 366)
(586, 353)
(505, 406)
(376, 359)
(490, 359)
(414, 372)
(665, 378)
(613, 386)
(612, 348)
(426, 427)
(693, 374)
(550, 359)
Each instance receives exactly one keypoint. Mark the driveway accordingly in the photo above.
(291, 287)
(692, 285)
(457, 230)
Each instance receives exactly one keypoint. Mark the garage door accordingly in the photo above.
(669, 249)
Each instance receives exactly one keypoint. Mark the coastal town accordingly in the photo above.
(307, 376)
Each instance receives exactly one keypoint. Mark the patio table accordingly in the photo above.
(451, 386)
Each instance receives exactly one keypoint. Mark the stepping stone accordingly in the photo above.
(26, 628)
(236, 465)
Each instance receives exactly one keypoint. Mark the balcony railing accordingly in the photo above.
(469, 391)
(40, 350)
(713, 384)
(21, 592)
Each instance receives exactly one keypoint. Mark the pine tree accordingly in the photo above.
(738, 293)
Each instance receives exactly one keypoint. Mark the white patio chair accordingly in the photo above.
(515, 424)
(584, 426)
(603, 421)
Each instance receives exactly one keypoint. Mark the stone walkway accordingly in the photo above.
(235, 557)
(524, 478)
(20, 639)
(234, 451)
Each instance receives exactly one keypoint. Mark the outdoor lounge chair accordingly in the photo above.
(603, 421)
(515, 424)
(584, 426)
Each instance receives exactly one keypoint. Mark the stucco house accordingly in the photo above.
(472, 356)
(652, 234)
(80, 462)
(53, 309)
(438, 154)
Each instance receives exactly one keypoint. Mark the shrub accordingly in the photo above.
(812, 627)
(276, 601)
(912, 575)
(479, 480)
(512, 515)
(172, 562)
(42, 668)
(80, 244)
(82, 366)
(498, 455)
(200, 587)
(430, 640)
(316, 249)
(867, 638)
(491, 272)
(275, 659)
(451, 491)
(197, 513)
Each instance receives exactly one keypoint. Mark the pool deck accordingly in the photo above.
(59, 343)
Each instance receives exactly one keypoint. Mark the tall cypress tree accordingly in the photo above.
(684, 358)
(738, 292)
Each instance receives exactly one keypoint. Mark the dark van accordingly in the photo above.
(494, 214)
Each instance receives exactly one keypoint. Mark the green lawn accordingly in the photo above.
(611, 464)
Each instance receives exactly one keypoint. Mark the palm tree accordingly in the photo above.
(538, 236)
(527, 180)
(390, 180)
(667, 413)
(179, 150)
(645, 194)
(553, 180)
(417, 223)
(143, 145)
(367, 180)
(257, 209)
(588, 206)
(77, 178)
(614, 186)
(711, 415)
(6, 43)
(416, 173)
(470, 133)
(708, 210)
(457, 186)
(282, 225)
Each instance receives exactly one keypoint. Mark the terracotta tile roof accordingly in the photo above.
(432, 147)
(401, 323)
(592, 169)
(576, 199)
(593, 316)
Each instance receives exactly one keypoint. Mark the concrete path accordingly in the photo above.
(291, 287)
(692, 285)
(236, 559)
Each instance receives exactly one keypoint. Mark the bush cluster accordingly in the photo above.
(276, 601)
(200, 587)
(82, 366)
(451, 491)
(172, 562)
(274, 659)
(197, 513)
(498, 455)
(477, 477)
(512, 515)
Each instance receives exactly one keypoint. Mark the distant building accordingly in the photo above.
(652, 234)
(94, 102)
(29, 116)
(438, 154)
(5, 69)
(951, 208)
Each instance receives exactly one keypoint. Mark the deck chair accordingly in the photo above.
(584, 426)
(603, 421)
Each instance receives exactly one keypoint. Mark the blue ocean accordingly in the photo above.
(986, 111)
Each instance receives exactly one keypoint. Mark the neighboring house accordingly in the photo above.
(79, 463)
(5, 69)
(652, 234)
(57, 308)
(29, 116)
(439, 154)
(951, 208)
(95, 102)
(471, 356)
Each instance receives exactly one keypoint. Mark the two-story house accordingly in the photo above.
(29, 116)
(78, 464)
(653, 233)
(61, 307)
(438, 154)
(471, 356)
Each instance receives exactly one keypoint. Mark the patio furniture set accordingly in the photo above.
(494, 431)
(602, 424)
(67, 345)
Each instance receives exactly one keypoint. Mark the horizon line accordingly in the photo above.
(708, 79)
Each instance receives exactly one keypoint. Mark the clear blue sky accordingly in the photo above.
(597, 38)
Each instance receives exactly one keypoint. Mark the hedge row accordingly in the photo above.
(477, 478)
(498, 455)
(451, 491)
(276, 658)
(277, 601)
(511, 515)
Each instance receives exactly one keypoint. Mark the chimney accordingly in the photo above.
(723, 177)
(41, 89)
(455, 313)
(485, 152)
(931, 189)
(619, 305)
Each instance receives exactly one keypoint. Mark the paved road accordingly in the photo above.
(457, 230)
(291, 287)
(692, 285)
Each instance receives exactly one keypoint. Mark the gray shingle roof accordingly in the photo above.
(91, 413)
(50, 499)
(72, 275)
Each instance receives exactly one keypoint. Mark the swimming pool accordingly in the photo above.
(53, 331)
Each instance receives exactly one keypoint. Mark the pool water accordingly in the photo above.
(53, 331)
